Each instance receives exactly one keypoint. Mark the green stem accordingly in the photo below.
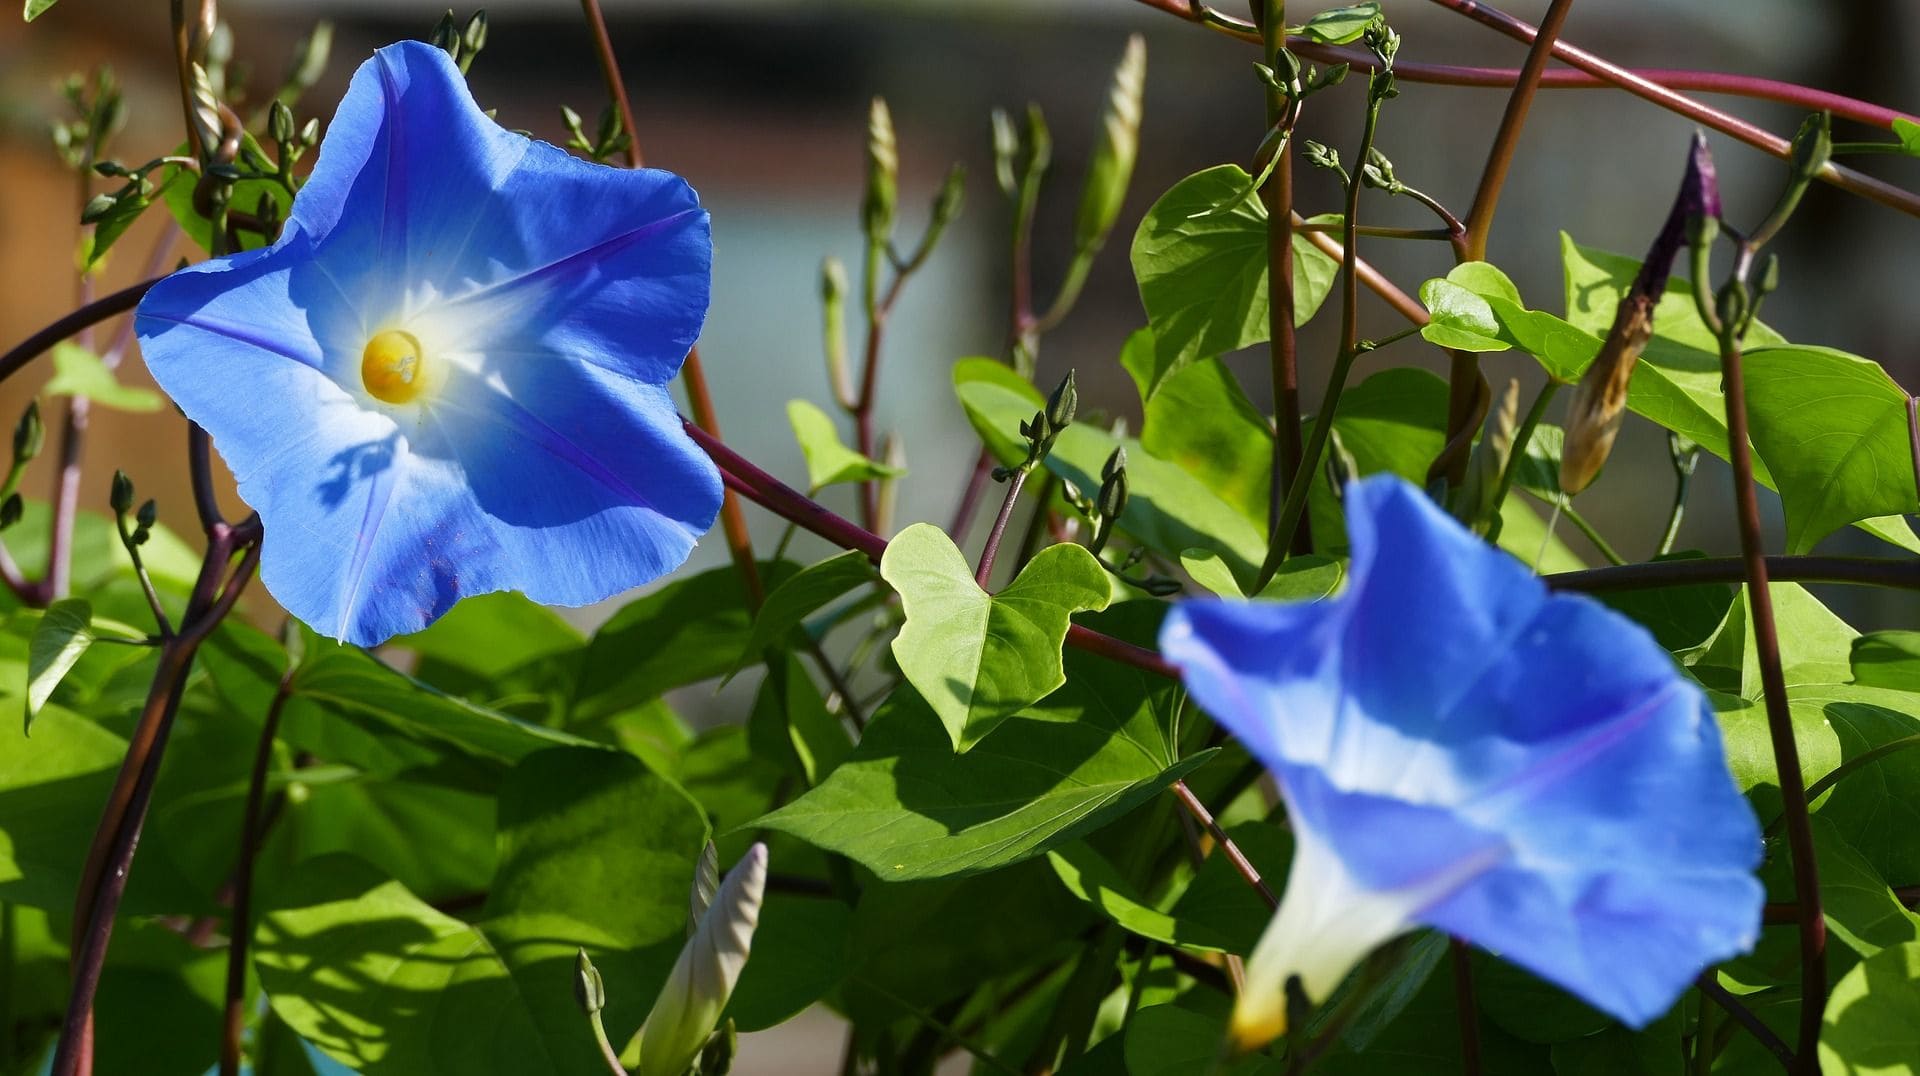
(1280, 538)
(1682, 479)
(1600, 543)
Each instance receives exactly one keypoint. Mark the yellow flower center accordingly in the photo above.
(393, 367)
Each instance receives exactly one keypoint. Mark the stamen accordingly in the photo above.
(393, 367)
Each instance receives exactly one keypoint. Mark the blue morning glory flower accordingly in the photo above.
(1460, 749)
(448, 376)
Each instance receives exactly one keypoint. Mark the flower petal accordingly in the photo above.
(1446, 716)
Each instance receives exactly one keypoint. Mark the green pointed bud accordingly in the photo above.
(1685, 452)
(952, 193)
(589, 989)
(473, 39)
(148, 514)
(121, 498)
(717, 1058)
(29, 434)
(1812, 145)
(1288, 72)
(1321, 155)
(1269, 78)
(1061, 405)
(1039, 144)
(609, 129)
(280, 123)
(833, 307)
(1379, 171)
(1768, 278)
(310, 133)
(446, 36)
(689, 1005)
(1111, 170)
(1006, 147)
(1732, 304)
(1113, 486)
(1160, 586)
(883, 173)
(11, 510)
(886, 498)
(97, 207)
(1332, 76)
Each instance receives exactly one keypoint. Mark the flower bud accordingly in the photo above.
(946, 202)
(589, 989)
(1061, 405)
(1113, 158)
(883, 173)
(29, 435)
(1812, 145)
(446, 36)
(1600, 400)
(1473, 502)
(121, 498)
(148, 514)
(833, 306)
(280, 122)
(1006, 147)
(689, 1005)
(706, 882)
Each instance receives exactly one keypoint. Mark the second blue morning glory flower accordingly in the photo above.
(448, 376)
(1460, 749)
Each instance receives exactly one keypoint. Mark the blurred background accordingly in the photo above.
(762, 105)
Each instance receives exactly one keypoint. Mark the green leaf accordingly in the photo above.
(246, 197)
(800, 952)
(979, 658)
(1833, 430)
(37, 8)
(1340, 25)
(1677, 383)
(1168, 509)
(348, 707)
(1167, 1040)
(1859, 907)
(798, 598)
(829, 461)
(790, 721)
(1872, 1023)
(1461, 319)
(489, 635)
(1089, 876)
(1908, 132)
(1202, 270)
(1308, 577)
(1888, 659)
(79, 372)
(595, 852)
(51, 789)
(1202, 421)
(63, 634)
(1656, 1051)
(108, 229)
(687, 631)
(1816, 647)
(1680, 617)
(905, 806)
